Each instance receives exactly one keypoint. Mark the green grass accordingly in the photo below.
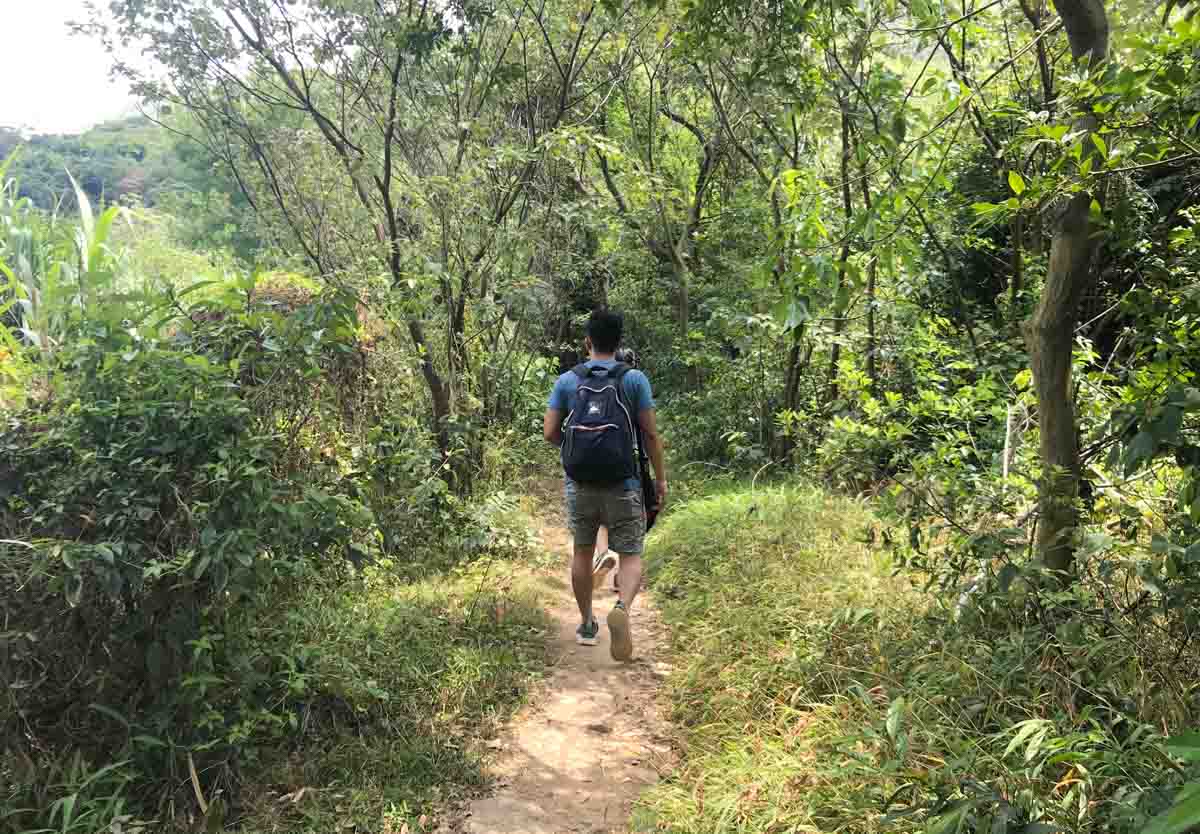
(400, 686)
(330, 703)
(817, 689)
(769, 596)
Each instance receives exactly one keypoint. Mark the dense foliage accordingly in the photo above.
(210, 493)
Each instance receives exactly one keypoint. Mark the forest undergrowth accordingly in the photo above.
(274, 362)
(362, 704)
(819, 688)
(432, 669)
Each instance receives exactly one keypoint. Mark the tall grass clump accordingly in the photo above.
(817, 689)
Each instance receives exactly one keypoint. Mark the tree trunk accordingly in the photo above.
(872, 369)
(872, 270)
(1018, 259)
(683, 301)
(439, 392)
(839, 309)
(1050, 331)
(791, 389)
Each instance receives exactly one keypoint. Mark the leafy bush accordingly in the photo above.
(153, 501)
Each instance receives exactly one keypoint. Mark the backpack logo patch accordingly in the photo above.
(593, 408)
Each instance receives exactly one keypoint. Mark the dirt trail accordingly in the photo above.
(577, 757)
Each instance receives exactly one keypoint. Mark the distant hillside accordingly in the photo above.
(133, 159)
(132, 156)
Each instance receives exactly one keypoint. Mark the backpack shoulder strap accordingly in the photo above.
(582, 370)
(618, 376)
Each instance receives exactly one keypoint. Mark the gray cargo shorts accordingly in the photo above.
(617, 508)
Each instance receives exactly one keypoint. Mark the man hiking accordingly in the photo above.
(605, 559)
(600, 414)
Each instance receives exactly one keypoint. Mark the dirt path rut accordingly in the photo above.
(576, 758)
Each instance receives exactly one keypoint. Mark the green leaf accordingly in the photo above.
(1035, 743)
(1026, 729)
(1184, 814)
(191, 288)
(100, 236)
(111, 713)
(1192, 553)
(73, 589)
(1016, 182)
(1007, 574)
(1100, 145)
(952, 820)
(895, 714)
(1139, 450)
(86, 218)
(797, 314)
(1168, 424)
(68, 810)
(1185, 746)
(201, 566)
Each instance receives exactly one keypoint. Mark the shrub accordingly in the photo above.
(152, 499)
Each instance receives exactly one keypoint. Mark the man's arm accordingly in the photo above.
(650, 436)
(552, 426)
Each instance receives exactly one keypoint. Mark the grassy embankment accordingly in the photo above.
(363, 704)
(438, 664)
(434, 667)
(817, 690)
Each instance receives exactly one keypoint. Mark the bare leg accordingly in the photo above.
(581, 581)
(621, 637)
(604, 561)
(601, 540)
(629, 578)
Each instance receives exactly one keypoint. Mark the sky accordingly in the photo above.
(52, 81)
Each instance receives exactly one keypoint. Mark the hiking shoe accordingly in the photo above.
(587, 633)
(621, 642)
(602, 564)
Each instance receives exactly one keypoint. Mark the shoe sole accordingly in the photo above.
(602, 571)
(621, 643)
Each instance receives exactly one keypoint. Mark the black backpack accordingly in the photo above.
(600, 434)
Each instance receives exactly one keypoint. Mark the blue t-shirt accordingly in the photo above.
(635, 385)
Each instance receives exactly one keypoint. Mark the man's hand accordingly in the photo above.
(660, 488)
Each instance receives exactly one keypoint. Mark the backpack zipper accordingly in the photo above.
(628, 418)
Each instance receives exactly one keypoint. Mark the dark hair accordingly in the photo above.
(604, 328)
(627, 356)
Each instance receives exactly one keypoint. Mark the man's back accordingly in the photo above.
(635, 386)
(599, 447)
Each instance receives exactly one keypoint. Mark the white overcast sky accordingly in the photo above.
(52, 81)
